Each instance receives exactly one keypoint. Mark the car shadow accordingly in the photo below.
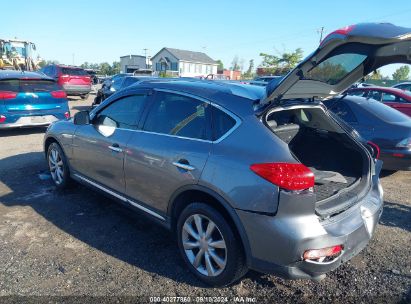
(396, 215)
(93, 219)
(22, 131)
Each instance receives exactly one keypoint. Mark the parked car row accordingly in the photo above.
(248, 177)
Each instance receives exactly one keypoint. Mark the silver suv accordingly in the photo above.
(247, 177)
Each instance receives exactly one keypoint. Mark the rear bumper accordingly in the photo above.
(278, 242)
(76, 89)
(34, 120)
(402, 160)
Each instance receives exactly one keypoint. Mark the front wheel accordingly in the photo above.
(209, 245)
(58, 166)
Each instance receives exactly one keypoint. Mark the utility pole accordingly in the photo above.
(321, 31)
(145, 55)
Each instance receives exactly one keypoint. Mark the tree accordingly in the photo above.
(249, 72)
(282, 64)
(401, 73)
(115, 68)
(234, 64)
(43, 63)
(105, 68)
(220, 65)
(376, 75)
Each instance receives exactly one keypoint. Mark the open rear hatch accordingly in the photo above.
(341, 165)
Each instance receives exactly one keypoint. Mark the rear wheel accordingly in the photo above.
(209, 245)
(58, 166)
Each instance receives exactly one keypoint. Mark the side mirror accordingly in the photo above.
(82, 118)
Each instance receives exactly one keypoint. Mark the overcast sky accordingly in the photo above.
(96, 31)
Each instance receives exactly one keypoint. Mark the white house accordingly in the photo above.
(183, 63)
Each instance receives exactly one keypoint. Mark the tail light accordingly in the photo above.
(7, 95)
(342, 31)
(375, 148)
(285, 175)
(315, 254)
(67, 115)
(2, 118)
(58, 94)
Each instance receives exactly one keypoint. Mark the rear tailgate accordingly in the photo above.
(33, 95)
(75, 76)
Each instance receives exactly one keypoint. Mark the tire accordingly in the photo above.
(58, 166)
(218, 266)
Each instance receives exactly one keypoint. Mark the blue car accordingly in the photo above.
(30, 99)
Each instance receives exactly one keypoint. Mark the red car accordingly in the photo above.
(395, 98)
(74, 80)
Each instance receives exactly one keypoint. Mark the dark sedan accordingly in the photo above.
(393, 97)
(389, 129)
(118, 84)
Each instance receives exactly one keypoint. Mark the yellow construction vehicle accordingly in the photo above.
(17, 55)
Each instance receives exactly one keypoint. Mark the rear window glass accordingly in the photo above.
(385, 112)
(15, 85)
(335, 68)
(74, 72)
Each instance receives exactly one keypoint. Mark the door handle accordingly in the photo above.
(115, 148)
(183, 164)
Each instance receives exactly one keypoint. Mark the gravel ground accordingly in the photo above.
(79, 243)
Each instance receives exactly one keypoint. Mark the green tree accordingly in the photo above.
(115, 67)
(283, 63)
(402, 73)
(375, 75)
(43, 63)
(234, 64)
(220, 65)
(249, 72)
(105, 68)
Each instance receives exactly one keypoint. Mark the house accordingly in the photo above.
(183, 63)
(131, 63)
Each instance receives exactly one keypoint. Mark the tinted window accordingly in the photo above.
(343, 111)
(123, 113)
(178, 115)
(74, 72)
(117, 83)
(335, 68)
(222, 123)
(16, 85)
(385, 112)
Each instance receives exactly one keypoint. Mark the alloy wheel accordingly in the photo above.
(56, 166)
(204, 245)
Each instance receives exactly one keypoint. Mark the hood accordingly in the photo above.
(343, 57)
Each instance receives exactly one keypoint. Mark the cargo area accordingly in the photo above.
(339, 164)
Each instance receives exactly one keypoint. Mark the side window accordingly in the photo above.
(221, 123)
(178, 115)
(129, 81)
(122, 113)
(117, 83)
(386, 97)
(344, 112)
(375, 95)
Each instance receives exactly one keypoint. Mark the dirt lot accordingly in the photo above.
(81, 243)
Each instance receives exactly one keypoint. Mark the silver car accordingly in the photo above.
(247, 177)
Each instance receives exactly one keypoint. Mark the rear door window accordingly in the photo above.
(359, 93)
(178, 115)
(387, 97)
(375, 95)
(129, 81)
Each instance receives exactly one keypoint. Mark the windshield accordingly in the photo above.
(74, 72)
(15, 49)
(335, 68)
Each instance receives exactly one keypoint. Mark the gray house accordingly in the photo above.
(131, 63)
(183, 63)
